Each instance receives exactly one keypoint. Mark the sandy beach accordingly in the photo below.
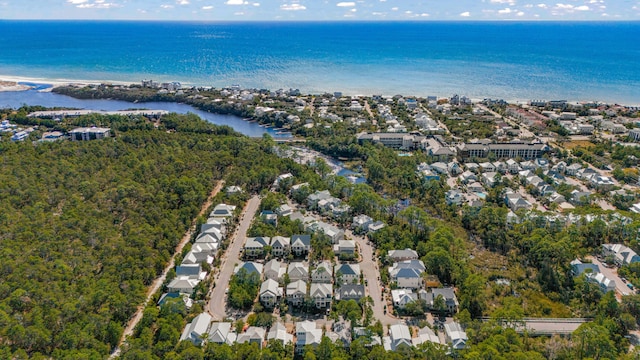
(12, 83)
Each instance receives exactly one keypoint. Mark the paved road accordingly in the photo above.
(128, 331)
(369, 267)
(612, 274)
(217, 304)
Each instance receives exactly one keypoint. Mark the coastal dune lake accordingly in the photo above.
(48, 99)
(509, 60)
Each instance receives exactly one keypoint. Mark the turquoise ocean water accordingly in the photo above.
(543, 60)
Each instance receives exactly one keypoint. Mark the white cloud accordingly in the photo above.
(510, 2)
(239, 13)
(582, 8)
(376, 13)
(542, 6)
(182, 2)
(520, 13)
(505, 11)
(465, 14)
(76, 2)
(528, 6)
(346, 4)
(165, 6)
(424, 15)
(256, 4)
(208, 7)
(395, 8)
(564, 6)
(408, 12)
(292, 7)
(98, 5)
(236, 2)
(353, 10)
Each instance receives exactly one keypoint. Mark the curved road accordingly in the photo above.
(369, 267)
(216, 306)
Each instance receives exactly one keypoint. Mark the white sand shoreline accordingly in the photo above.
(58, 82)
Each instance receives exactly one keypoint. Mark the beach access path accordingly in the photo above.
(155, 285)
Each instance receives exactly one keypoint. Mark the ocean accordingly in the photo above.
(508, 60)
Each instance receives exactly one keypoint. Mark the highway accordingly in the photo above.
(217, 301)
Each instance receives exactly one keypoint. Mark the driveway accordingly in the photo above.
(217, 297)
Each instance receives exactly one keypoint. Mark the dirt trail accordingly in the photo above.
(128, 331)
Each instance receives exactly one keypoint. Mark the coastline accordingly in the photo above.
(56, 82)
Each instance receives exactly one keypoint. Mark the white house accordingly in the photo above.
(321, 294)
(298, 271)
(347, 273)
(296, 292)
(274, 270)
(399, 335)
(402, 297)
(455, 335)
(280, 246)
(220, 333)
(323, 273)
(195, 330)
(300, 244)
(270, 293)
(307, 334)
(279, 332)
(254, 335)
(426, 335)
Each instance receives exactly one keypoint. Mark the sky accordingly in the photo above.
(322, 10)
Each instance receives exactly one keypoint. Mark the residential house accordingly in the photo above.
(557, 198)
(323, 273)
(361, 222)
(604, 283)
(376, 226)
(183, 284)
(513, 166)
(542, 163)
(253, 335)
(296, 292)
(269, 217)
(250, 267)
(321, 294)
(298, 271)
(399, 336)
(623, 254)
(407, 274)
(350, 292)
(580, 197)
(449, 296)
(372, 339)
(298, 187)
(573, 169)
(340, 332)
(516, 202)
(300, 244)
(186, 300)
(489, 179)
(197, 257)
(454, 168)
(254, 246)
(578, 268)
(274, 270)
(471, 166)
(455, 335)
(467, 177)
(402, 297)
(601, 182)
(270, 293)
(425, 335)
(196, 330)
(335, 234)
(279, 332)
(487, 167)
(345, 247)
(439, 168)
(347, 273)
(316, 197)
(586, 173)
(190, 270)
(280, 246)
(475, 187)
(453, 197)
(307, 335)
(222, 211)
(284, 210)
(220, 333)
(500, 167)
(232, 190)
(401, 255)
